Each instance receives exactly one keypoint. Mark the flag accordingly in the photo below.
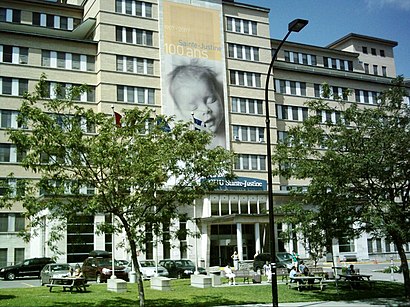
(199, 125)
(163, 125)
(117, 119)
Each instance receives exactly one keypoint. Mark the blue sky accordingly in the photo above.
(330, 20)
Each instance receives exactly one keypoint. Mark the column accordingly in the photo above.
(257, 238)
(239, 241)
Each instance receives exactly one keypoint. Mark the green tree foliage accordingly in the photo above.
(358, 167)
(143, 172)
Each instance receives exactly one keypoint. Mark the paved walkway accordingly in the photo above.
(380, 302)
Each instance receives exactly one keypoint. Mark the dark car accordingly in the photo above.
(283, 260)
(180, 268)
(100, 269)
(28, 267)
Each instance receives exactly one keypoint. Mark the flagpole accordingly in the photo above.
(113, 221)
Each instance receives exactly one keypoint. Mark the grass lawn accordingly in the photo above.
(182, 294)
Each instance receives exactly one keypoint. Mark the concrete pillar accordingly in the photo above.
(239, 240)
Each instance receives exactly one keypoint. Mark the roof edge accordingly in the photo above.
(363, 37)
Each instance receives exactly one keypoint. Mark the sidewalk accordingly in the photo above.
(381, 302)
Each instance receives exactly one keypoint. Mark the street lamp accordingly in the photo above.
(294, 26)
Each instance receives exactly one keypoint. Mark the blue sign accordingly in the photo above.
(241, 183)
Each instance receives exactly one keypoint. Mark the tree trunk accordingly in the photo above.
(133, 247)
(141, 294)
(405, 269)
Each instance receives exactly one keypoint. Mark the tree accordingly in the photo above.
(143, 172)
(358, 167)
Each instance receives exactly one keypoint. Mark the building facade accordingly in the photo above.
(129, 52)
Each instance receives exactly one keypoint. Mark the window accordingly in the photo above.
(10, 15)
(134, 36)
(250, 162)
(373, 50)
(135, 65)
(249, 106)
(243, 52)
(248, 134)
(370, 246)
(339, 64)
(245, 78)
(135, 8)
(54, 21)
(382, 54)
(290, 87)
(241, 26)
(20, 222)
(346, 245)
(5, 152)
(384, 71)
(4, 222)
(15, 55)
(364, 49)
(375, 70)
(55, 89)
(291, 112)
(18, 255)
(135, 94)
(300, 58)
(3, 256)
(366, 68)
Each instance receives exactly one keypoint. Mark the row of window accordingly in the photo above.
(246, 105)
(243, 52)
(134, 36)
(290, 87)
(245, 78)
(248, 134)
(13, 86)
(10, 154)
(40, 19)
(67, 60)
(373, 51)
(337, 64)
(250, 162)
(135, 65)
(12, 222)
(300, 58)
(291, 112)
(60, 91)
(55, 21)
(13, 54)
(135, 94)
(9, 119)
(241, 26)
(375, 70)
(12, 187)
(134, 8)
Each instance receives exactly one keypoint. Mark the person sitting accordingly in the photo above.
(303, 269)
(293, 273)
(351, 270)
(230, 275)
(78, 273)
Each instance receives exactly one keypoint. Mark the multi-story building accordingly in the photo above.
(127, 51)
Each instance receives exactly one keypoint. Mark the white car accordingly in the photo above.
(149, 269)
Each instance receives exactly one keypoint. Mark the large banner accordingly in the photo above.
(193, 65)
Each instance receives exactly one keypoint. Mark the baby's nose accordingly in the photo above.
(203, 108)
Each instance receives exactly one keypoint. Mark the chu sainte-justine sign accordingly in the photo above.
(241, 183)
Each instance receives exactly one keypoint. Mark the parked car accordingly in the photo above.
(100, 269)
(54, 270)
(148, 269)
(283, 260)
(180, 268)
(28, 267)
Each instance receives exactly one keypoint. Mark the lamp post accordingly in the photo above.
(294, 26)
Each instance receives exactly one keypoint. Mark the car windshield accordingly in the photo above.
(60, 267)
(185, 263)
(147, 263)
(107, 262)
(284, 257)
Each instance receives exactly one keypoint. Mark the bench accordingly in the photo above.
(305, 282)
(79, 284)
(318, 270)
(241, 273)
(282, 272)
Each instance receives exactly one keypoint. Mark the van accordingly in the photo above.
(283, 260)
(28, 267)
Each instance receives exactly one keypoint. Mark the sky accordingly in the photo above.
(330, 20)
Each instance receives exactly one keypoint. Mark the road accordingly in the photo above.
(20, 283)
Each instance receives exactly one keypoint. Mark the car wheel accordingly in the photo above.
(10, 276)
(99, 279)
